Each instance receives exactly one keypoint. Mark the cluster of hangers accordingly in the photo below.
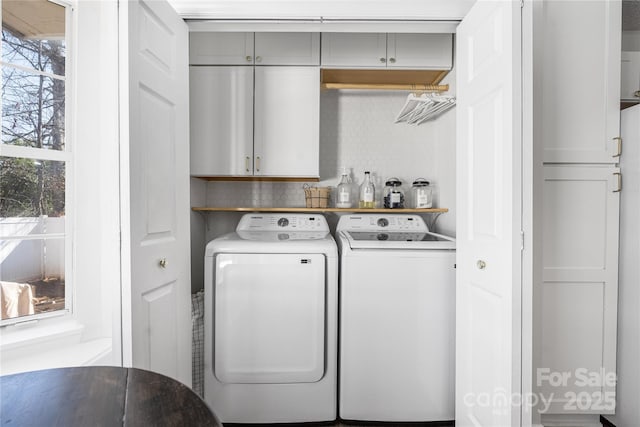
(418, 109)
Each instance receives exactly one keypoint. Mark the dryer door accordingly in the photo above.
(269, 318)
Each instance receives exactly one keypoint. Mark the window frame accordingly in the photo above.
(68, 158)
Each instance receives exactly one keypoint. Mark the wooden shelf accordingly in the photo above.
(412, 80)
(319, 210)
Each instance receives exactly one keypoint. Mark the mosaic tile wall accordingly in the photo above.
(357, 131)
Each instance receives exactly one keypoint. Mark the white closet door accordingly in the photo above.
(156, 300)
(577, 304)
(579, 80)
(287, 121)
(269, 318)
(488, 223)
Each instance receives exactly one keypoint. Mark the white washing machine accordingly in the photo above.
(271, 321)
(397, 319)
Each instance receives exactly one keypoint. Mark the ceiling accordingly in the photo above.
(631, 15)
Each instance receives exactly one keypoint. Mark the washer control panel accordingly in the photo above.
(373, 222)
(283, 222)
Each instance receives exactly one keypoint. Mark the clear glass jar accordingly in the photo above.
(421, 194)
(393, 195)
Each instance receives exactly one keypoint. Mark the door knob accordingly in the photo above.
(392, 60)
(163, 263)
(481, 264)
(258, 59)
(637, 94)
(248, 58)
(383, 60)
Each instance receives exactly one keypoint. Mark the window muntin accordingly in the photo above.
(35, 161)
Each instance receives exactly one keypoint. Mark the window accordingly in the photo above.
(35, 161)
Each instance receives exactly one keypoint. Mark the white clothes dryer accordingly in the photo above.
(397, 319)
(271, 321)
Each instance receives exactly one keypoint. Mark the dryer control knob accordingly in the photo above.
(383, 222)
(283, 222)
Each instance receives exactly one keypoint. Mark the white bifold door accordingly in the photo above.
(154, 122)
(269, 321)
(488, 222)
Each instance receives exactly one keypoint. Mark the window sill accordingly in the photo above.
(29, 348)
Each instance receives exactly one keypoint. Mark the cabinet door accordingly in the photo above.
(429, 51)
(354, 50)
(630, 76)
(211, 48)
(577, 301)
(287, 104)
(221, 107)
(579, 80)
(287, 48)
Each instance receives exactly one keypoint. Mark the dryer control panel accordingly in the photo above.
(283, 222)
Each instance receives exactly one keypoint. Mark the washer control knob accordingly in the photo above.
(283, 222)
(383, 222)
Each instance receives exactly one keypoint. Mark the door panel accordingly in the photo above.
(221, 109)
(580, 255)
(269, 318)
(580, 80)
(155, 190)
(489, 194)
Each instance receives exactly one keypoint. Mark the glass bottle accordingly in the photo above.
(343, 198)
(367, 192)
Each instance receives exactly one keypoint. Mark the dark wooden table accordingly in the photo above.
(99, 396)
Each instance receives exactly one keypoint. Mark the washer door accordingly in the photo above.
(269, 318)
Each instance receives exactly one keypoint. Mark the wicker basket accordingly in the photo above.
(316, 197)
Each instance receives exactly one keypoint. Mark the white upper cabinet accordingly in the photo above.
(354, 49)
(431, 51)
(219, 48)
(380, 50)
(287, 121)
(221, 115)
(207, 48)
(579, 81)
(287, 48)
(630, 76)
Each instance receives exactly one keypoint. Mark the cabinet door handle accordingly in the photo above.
(258, 164)
(248, 58)
(619, 150)
(481, 264)
(383, 60)
(636, 94)
(246, 163)
(619, 188)
(258, 58)
(392, 60)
